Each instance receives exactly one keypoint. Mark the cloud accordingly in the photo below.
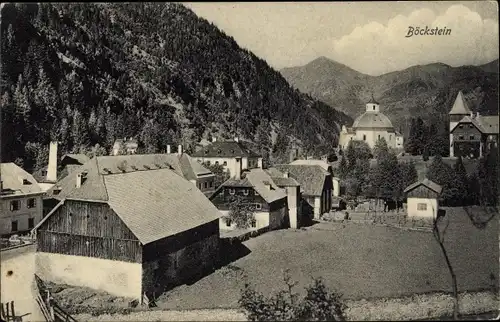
(375, 48)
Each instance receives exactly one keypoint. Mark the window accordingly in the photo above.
(205, 185)
(245, 192)
(208, 162)
(31, 222)
(379, 136)
(421, 206)
(255, 192)
(31, 203)
(460, 137)
(471, 137)
(216, 162)
(225, 163)
(211, 184)
(15, 205)
(253, 223)
(374, 107)
(364, 137)
(461, 126)
(258, 206)
(44, 173)
(228, 222)
(14, 225)
(470, 126)
(231, 191)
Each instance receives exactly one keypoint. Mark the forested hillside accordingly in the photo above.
(87, 74)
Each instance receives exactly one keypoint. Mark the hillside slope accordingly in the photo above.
(427, 91)
(86, 74)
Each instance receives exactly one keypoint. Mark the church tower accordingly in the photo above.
(457, 113)
(373, 106)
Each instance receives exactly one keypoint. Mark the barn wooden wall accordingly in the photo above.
(88, 229)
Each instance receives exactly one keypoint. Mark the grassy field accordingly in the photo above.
(361, 261)
(358, 260)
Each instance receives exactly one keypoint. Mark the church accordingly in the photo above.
(371, 126)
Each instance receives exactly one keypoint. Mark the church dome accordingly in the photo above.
(370, 120)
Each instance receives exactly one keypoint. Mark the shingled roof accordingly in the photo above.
(16, 181)
(152, 198)
(426, 182)
(310, 177)
(259, 180)
(485, 124)
(225, 149)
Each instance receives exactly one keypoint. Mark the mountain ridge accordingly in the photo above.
(425, 91)
(87, 74)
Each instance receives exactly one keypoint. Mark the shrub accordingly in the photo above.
(318, 304)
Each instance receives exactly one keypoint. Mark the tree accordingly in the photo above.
(408, 174)
(241, 212)
(343, 169)
(380, 148)
(263, 141)
(442, 174)
(459, 183)
(319, 304)
(220, 174)
(414, 144)
(488, 178)
(439, 233)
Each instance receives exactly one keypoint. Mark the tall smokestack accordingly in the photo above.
(52, 166)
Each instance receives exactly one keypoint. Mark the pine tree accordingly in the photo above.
(442, 174)
(408, 173)
(351, 157)
(380, 149)
(459, 183)
(343, 169)
(488, 178)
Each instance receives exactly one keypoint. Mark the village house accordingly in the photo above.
(316, 186)
(133, 221)
(253, 188)
(471, 134)
(327, 167)
(294, 196)
(370, 127)
(423, 199)
(20, 200)
(231, 155)
(125, 146)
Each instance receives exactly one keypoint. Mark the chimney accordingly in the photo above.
(236, 139)
(471, 114)
(179, 149)
(52, 166)
(268, 185)
(214, 139)
(78, 180)
(168, 149)
(286, 174)
(477, 114)
(237, 170)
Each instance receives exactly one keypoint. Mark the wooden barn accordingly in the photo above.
(129, 228)
(423, 199)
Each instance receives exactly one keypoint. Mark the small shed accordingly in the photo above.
(422, 199)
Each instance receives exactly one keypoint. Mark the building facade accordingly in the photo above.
(471, 134)
(139, 227)
(21, 206)
(233, 156)
(371, 126)
(423, 199)
(254, 189)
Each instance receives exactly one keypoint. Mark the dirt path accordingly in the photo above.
(195, 315)
(18, 282)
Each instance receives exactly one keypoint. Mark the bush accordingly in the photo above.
(318, 304)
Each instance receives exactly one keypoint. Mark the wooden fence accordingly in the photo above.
(50, 309)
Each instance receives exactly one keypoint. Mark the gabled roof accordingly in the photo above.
(460, 106)
(321, 163)
(182, 165)
(485, 124)
(225, 149)
(259, 180)
(154, 202)
(12, 177)
(426, 182)
(79, 157)
(310, 177)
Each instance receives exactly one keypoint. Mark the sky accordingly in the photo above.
(366, 36)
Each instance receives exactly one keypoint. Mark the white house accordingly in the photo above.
(422, 199)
